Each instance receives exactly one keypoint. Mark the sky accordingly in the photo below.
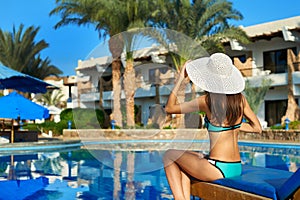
(71, 43)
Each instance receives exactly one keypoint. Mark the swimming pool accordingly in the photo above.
(73, 173)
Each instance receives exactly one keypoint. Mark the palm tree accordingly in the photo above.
(204, 22)
(99, 14)
(41, 69)
(109, 18)
(19, 51)
(131, 39)
(129, 78)
(292, 111)
(51, 98)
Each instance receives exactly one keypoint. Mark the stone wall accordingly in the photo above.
(175, 134)
(273, 135)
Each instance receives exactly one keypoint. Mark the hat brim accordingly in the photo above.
(202, 77)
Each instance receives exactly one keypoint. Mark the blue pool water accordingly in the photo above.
(77, 173)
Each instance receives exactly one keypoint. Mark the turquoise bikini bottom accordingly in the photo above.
(228, 169)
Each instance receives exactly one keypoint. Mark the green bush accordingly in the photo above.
(84, 119)
(66, 114)
(88, 118)
(49, 125)
(294, 125)
(277, 127)
(167, 127)
(31, 127)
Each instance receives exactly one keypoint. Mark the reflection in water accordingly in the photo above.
(130, 188)
(11, 173)
(79, 174)
(49, 163)
(117, 167)
(271, 157)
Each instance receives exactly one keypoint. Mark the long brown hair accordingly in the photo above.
(225, 107)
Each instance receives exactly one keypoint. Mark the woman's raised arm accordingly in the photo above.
(253, 124)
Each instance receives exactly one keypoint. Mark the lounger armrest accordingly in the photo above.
(290, 186)
(263, 182)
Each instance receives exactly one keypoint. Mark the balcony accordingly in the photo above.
(280, 79)
(148, 88)
(144, 89)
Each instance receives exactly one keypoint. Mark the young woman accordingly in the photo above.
(225, 107)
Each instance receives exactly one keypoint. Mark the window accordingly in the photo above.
(242, 58)
(276, 61)
(274, 111)
(162, 70)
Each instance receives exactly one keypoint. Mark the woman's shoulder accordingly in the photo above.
(202, 103)
(244, 100)
(202, 98)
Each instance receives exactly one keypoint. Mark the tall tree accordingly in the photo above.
(204, 21)
(129, 76)
(109, 18)
(102, 15)
(41, 68)
(292, 111)
(207, 21)
(20, 51)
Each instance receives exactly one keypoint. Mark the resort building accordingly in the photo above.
(273, 50)
(274, 46)
(154, 74)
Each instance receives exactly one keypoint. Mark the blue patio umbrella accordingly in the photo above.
(11, 79)
(16, 106)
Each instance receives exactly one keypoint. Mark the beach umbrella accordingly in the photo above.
(11, 79)
(15, 106)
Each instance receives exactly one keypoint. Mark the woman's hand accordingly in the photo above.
(183, 72)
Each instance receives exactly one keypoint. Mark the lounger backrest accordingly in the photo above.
(290, 186)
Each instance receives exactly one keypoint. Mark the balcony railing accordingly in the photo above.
(139, 84)
(88, 90)
(265, 71)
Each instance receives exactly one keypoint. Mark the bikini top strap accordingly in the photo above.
(213, 128)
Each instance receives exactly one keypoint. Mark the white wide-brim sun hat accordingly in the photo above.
(216, 74)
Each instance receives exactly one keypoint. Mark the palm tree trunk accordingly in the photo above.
(100, 92)
(116, 46)
(157, 83)
(292, 111)
(116, 81)
(129, 88)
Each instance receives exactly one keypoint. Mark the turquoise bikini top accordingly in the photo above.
(212, 128)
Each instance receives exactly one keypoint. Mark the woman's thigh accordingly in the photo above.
(193, 164)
